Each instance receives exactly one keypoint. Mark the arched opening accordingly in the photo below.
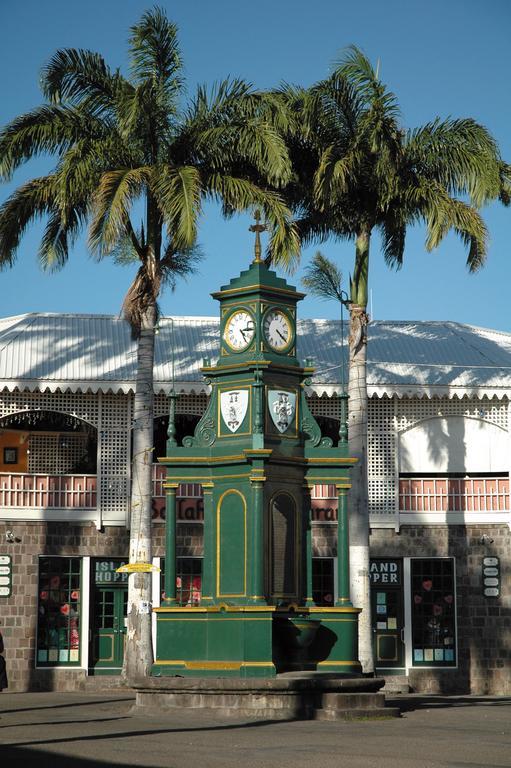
(283, 548)
(47, 442)
(185, 425)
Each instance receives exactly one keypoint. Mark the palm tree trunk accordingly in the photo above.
(357, 431)
(139, 654)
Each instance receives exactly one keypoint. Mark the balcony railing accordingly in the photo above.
(47, 491)
(472, 494)
(189, 498)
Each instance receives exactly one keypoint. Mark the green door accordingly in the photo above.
(387, 613)
(109, 610)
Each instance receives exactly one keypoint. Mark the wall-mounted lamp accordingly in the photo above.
(485, 539)
(10, 537)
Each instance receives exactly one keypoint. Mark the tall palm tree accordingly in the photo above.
(126, 147)
(358, 171)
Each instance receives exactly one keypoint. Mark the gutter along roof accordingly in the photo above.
(92, 353)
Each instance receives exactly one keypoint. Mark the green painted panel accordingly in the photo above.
(284, 547)
(232, 545)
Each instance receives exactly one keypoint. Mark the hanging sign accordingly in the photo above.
(233, 406)
(491, 576)
(138, 568)
(282, 407)
(5, 575)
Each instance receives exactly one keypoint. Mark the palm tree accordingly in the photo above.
(128, 146)
(358, 171)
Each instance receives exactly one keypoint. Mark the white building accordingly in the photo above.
(439, 461)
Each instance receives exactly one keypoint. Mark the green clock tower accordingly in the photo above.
(257, 452)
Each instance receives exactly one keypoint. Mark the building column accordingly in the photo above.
(307, 546)
(209, 551)
(170, 543)
(343, 547)
(256, 550)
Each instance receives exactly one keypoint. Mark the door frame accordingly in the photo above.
(120, 587)
(402, 631)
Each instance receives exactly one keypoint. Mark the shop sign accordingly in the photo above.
(106, 572)
(324, 510)
(385, 572)
(187, 510)
(5, 575)
(491, 576)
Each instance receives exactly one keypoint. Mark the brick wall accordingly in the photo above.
(18, 613)
(484, 624)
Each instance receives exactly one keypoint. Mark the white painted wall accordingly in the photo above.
(454, 444)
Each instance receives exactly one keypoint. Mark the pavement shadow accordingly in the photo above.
(411, 703)
(11, 757)
(115, 736)
(67, 705)
(65, 722)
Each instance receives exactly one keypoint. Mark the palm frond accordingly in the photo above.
(47, 129)
(178, 191)
(323, 278)
(30, 202)
(81, 78)
(116, 192)
(460, 154)
(155, 53)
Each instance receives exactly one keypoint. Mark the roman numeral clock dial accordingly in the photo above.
(277, 330)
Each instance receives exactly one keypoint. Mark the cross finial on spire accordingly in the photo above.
(257, 228)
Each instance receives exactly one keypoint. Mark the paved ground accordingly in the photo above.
(95, 730)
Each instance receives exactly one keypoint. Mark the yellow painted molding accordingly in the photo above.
(216, 609)
(228, 492)
(224, 618)
(205, 459)
(214, 664)
(258, 287)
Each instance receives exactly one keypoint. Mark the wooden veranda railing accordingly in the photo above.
(470, 494)
(42, 491)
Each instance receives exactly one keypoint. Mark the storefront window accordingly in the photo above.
(188, 580)
(58, 632)
(323, 580)
(433, 612)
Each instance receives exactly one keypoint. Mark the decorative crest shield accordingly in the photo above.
(282, 407)
(233, 406)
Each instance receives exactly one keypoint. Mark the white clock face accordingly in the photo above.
(239, 330)
(277, 329)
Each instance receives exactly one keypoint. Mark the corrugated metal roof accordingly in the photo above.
(96, 352)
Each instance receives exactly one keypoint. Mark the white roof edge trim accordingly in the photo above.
(197, 388)
(105, 387)
(408, 390)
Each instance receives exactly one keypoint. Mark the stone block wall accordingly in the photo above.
(484, 624)
(18, 613)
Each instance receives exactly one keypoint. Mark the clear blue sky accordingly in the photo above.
(441, 57)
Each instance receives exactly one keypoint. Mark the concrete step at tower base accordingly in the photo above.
(396, 684)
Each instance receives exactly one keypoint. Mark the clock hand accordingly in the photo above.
(242, 331)
(281, 335)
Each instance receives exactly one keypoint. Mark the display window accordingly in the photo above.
(59, 601)
(433, 611)
(323, 580)
(188, 580)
